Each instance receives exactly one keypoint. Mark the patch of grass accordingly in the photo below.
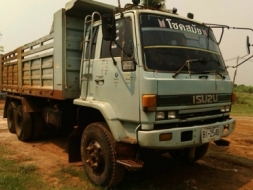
(74, 172)
(27, 169)
(243, 104)
(18, 176)
(78, 174)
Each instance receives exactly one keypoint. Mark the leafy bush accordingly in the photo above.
(244, 100)
(243, 89)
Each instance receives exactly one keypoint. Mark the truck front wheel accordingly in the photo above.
(23, 124)
(184, 154)
(99, 156)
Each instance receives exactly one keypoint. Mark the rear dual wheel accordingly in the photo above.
(10, 116)
(26, 125)
(23, 124)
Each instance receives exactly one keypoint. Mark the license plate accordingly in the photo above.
(210, 134)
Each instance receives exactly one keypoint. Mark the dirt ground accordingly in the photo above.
(227, 168)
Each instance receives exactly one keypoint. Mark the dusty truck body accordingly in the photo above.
(148, 81)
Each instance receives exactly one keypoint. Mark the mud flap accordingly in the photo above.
(74, 146)
(222, 142)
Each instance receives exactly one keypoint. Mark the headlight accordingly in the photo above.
(160, 115)
(225, 109)
(166, 115)
(172, 115)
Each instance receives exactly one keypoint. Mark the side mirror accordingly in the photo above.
(248, 45)
(108, 27)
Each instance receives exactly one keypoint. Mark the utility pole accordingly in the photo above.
(235, 70)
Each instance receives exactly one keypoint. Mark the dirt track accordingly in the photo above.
(227, 168)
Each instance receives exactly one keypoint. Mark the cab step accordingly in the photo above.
(130, 163)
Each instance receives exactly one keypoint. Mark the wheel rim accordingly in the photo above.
(95, 157)
(98, 156)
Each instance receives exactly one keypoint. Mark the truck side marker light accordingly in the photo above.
(149, 102)
(165, 137)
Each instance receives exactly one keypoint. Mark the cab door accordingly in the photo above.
(118, 83)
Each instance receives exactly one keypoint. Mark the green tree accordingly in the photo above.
(250, 89)
(154, 3)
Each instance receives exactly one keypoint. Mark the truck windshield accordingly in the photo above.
(168, 42)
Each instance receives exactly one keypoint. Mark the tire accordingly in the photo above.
(23, 124)
(38, 125)
(183, 154)
(99, 156)
(10, 117)
(201, 151)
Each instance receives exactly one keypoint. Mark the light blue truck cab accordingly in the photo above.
(159, 81)
(126, 82)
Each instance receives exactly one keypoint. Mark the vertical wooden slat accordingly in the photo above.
(1, 70)
(19, 69)
(30, 72)
(41, 72)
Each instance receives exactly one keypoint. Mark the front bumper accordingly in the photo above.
(150, 139)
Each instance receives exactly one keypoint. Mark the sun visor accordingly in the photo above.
(82, 8)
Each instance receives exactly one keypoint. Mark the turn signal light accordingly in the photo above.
(165, 137)
(149, 102)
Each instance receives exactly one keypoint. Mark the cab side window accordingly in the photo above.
(93, 40)
(124, 38)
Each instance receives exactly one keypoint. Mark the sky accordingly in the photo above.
(24, 21)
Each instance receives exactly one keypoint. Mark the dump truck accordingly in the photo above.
(124, 83)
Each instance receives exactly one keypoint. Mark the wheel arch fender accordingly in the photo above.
(28, 104)
(10, 100)
(108, 114)
(104, 107)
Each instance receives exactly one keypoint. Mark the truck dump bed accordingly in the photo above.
(49, 67)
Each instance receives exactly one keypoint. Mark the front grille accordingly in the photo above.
(189, 123)
(199, 114)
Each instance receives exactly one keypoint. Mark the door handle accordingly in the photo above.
(100, 81)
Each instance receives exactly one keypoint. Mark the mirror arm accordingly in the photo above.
(114, 62)
(242, 28)
(221, 36)
(126, 53)
(243, 62)
(218, 26)
(118, 9)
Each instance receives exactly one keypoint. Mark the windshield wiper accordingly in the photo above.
(208, 72)
(187, 64)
